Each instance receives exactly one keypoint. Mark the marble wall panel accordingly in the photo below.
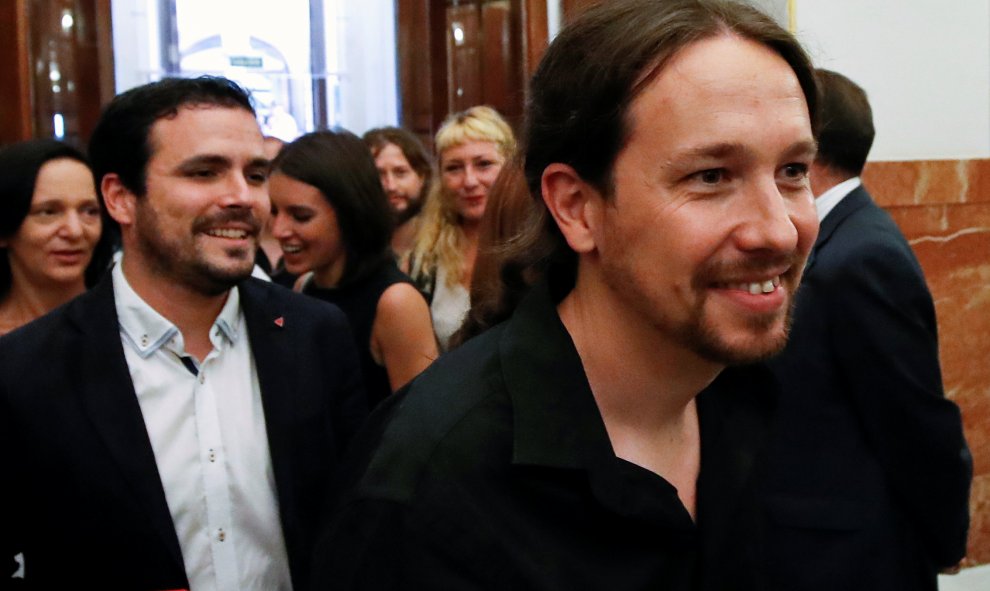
(943, 208)
(931, 182)
(979, 526)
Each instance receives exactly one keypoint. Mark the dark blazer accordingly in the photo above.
(82, 498)
(867, 475)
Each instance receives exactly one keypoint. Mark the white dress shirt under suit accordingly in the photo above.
(207, 429)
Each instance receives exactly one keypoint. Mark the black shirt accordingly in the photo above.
(493, 470)
(359, 302)
(278, 274)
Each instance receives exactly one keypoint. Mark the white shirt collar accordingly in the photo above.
(147, 330)
(827, 201)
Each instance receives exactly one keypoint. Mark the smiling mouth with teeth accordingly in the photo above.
(757, 287)
(291, 249)
(227, 233)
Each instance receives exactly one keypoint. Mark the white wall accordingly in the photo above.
(924, 64)
(553, 19)
(369, 90)
(775, 8)
(135, 59)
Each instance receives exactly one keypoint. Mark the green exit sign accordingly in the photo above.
(244, 61)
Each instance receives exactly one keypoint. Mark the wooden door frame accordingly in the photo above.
(16, 106)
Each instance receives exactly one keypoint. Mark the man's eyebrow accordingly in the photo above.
(217, 160)
(205, 160)
(714, 150)
(805, 147)
(259, 163)
(808, 147)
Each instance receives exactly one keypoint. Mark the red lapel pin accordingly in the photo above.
(280, 321)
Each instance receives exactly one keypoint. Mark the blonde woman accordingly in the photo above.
(472, 146)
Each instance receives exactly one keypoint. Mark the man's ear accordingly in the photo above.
(120, 201)
(574, 205)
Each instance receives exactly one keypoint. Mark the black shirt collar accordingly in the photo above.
(556, 421)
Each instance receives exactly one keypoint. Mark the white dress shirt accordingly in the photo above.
(827, 201)
(207, 429)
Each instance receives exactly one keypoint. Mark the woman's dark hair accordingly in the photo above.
(20, 164)
(340, 166)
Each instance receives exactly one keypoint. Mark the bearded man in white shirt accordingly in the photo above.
(177, 426)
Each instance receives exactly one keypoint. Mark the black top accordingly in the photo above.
(493, 470)
(279, 274)
(359, 301)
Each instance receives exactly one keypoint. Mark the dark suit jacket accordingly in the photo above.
(82, 498)
(867, 476)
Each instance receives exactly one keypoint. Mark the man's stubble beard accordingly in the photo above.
(697, 332)
(413, 207)
(170, 261)
(705, 341)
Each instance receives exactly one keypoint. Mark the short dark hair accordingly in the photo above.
(340, 166)
(579, 98)
(376, 140)
(120, 143)
(846, 132)
(20, 164)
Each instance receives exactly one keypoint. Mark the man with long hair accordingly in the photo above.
(599, 439)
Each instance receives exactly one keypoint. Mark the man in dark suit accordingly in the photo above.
(177, 426)
(593, 441)
(868, 472)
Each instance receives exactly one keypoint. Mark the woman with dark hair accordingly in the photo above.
(50, 225)
(332, 218)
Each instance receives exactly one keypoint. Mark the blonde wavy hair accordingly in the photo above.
(439, 243)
